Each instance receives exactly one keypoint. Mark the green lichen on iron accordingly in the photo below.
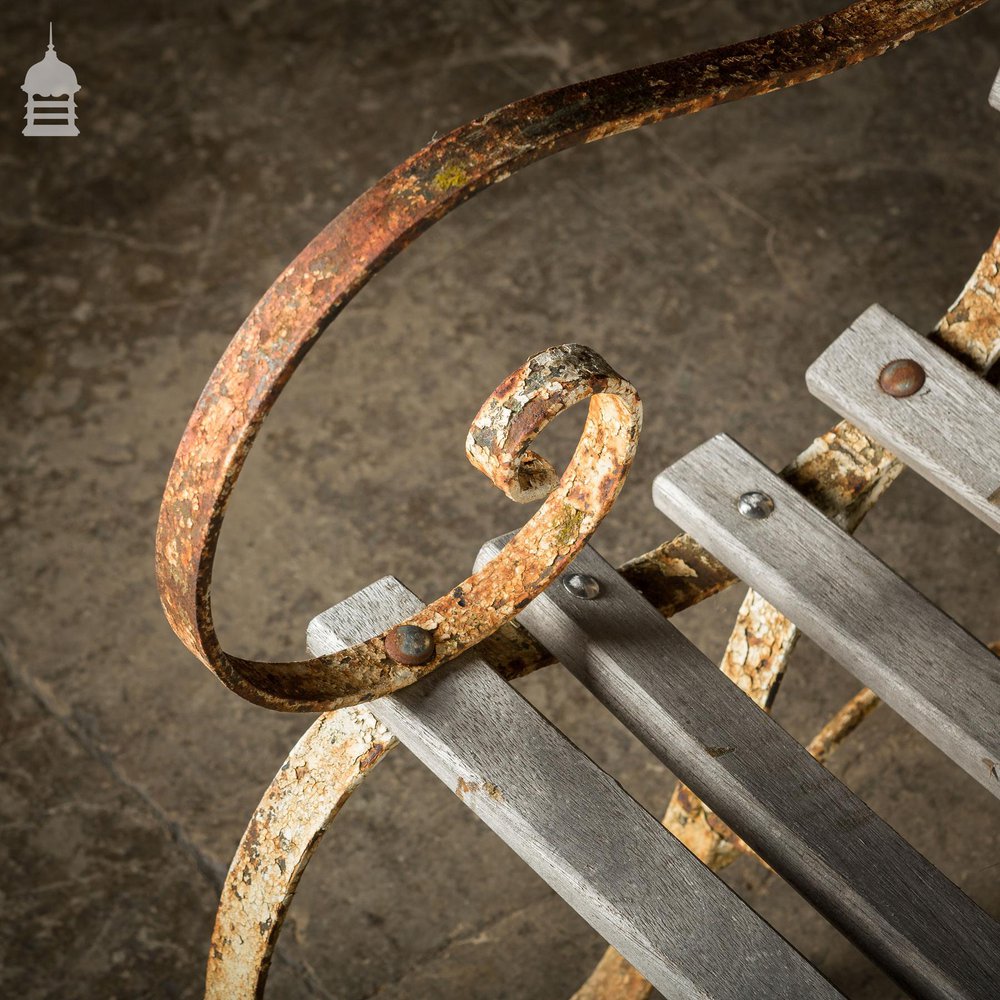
(567, 530)
(450, 176)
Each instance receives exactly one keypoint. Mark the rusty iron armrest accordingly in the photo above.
(327, 274)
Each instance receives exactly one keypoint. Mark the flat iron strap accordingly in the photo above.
(367, 234)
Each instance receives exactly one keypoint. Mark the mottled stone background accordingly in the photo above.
(711, 259)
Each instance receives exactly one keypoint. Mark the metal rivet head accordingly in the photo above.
(410, 645)
(901, 378)
(582, 586)
(755, 505)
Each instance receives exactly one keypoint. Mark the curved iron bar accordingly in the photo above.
(367, 234)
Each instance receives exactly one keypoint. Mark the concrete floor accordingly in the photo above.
(711, 259)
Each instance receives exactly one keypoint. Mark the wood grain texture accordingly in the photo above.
(813, 830)
(948, 431)
(906, 649)
(575, 826)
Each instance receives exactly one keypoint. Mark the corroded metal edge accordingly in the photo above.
(313, 289)
(969, 328)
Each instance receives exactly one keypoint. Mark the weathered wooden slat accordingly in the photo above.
(995, 93)
(850, 864)
(575, 826)
(948, 430)
(906, 649)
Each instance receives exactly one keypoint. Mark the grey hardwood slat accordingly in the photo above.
(576, 827)
(906, 649)
(948, 431)
(850, 864)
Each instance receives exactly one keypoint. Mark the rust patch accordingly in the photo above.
(677, 574)
(371, 756)
(970, 330)
(325, 766)
(847, 719)
(463, 788)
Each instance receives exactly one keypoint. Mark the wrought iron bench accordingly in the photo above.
(543, 595)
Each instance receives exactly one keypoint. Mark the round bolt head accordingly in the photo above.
(410, 645)
(755, 505)
(901, 378)
(582, 586)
